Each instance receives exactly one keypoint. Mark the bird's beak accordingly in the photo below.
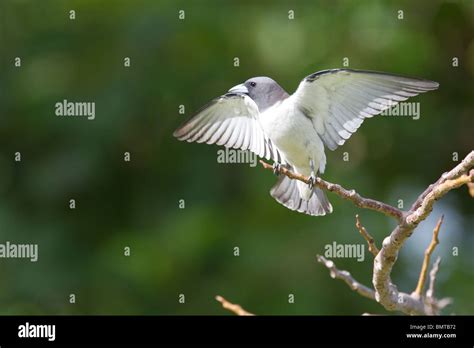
(240, 89)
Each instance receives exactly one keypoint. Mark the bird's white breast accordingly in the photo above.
(294, 135)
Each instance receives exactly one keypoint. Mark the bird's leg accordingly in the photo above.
(276, 168)
(312, 176)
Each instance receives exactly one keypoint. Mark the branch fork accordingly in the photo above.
(384, 291)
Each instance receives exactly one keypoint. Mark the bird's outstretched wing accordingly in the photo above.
(339, 100)
(231, 120)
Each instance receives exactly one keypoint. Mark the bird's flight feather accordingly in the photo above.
(231, 120)
(339, 100)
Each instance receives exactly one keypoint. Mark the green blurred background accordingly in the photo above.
(136, 203)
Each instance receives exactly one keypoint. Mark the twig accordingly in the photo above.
(470, 185)
(370, 240)
(347, 278)
(436, 193)
(350, 195)
(426, 261)
(434, 306)
(433, 272)
(471, 189)
(237, 309)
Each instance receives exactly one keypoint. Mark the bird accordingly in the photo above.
(293, 130)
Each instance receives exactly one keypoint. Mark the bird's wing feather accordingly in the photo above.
(339, 100)
(231, 120)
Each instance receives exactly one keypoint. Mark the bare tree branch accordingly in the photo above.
(350, 195)
(437, 191)
(386, 293)
(347, 278)
(237, 309)
(370, 240)
(426, 261)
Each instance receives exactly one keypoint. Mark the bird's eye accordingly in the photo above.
(253, 84)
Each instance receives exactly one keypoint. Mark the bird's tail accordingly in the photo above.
(286, 192)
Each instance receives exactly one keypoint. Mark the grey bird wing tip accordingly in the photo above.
(428, 84)
(183, 130)
(434, 84)
(178, 133)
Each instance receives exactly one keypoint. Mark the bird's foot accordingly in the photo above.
(276, 168)
(312, 176)
(311, 181)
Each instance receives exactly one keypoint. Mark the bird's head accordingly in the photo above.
(264, 91)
